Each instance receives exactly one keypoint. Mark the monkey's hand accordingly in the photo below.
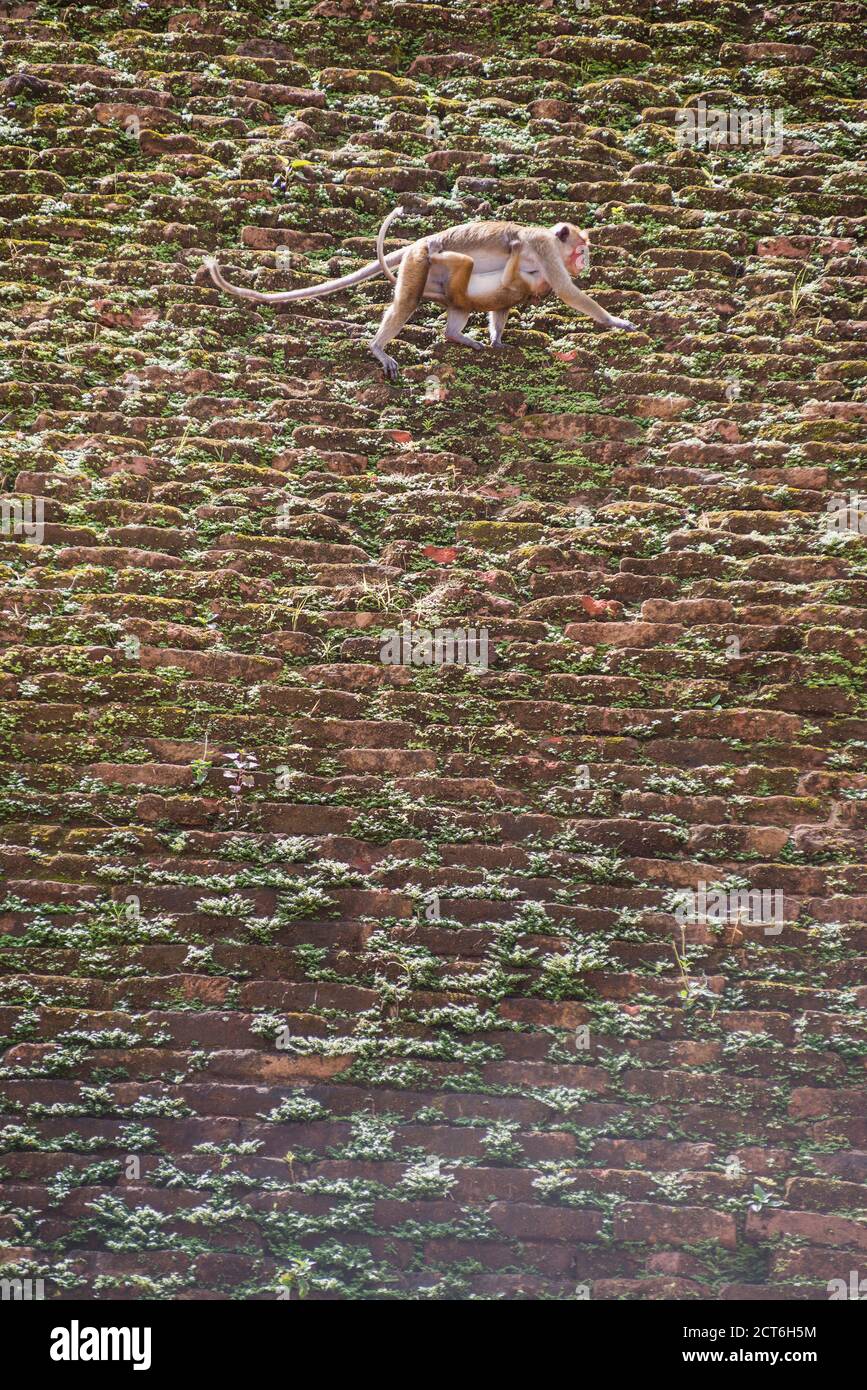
(624, 324)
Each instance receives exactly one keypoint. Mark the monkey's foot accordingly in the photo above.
(463, 340)
(389, 366)
(497, 343)
(624, 324)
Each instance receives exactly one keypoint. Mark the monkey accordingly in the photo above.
(548, 256)
(495, 293)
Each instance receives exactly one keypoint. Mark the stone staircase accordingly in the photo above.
(328, 978)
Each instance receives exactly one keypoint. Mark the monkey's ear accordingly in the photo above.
(561, 231)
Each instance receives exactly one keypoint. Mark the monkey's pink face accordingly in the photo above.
(578, 259)
(575, 247)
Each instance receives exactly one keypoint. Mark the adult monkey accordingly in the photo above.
(461, 287)
(548, 259)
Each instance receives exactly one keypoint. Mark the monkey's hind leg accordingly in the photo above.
(496, 324)
(454, 325)
(411, 279)
(457, 269)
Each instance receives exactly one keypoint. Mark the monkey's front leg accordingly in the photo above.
(585, 305)
(496, 324)
(562, 285)
(454, 325)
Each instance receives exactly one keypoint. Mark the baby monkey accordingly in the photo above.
(494, 293)
(461, 293)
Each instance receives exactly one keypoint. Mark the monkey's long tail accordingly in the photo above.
(311, 292)
(380, 244)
